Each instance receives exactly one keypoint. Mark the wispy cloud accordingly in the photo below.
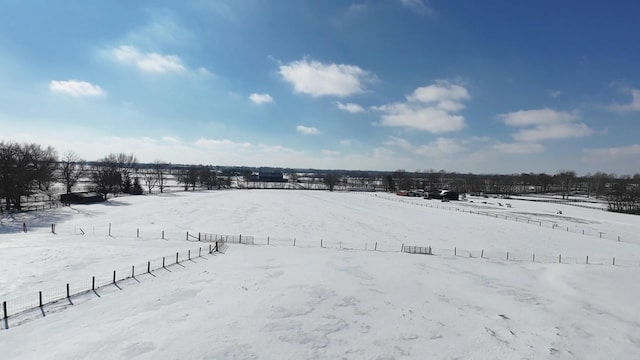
(350, 107)
(432, 108)
(149, 62)
(519, 148)
(612, 153)
(76, 88)
(438, 147)
(418, 6)
(545, 124)
(634, 105)
(319, 79)
(555, 93)
(307, 130)
(260, 98)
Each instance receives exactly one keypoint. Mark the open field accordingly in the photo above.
(340, 301)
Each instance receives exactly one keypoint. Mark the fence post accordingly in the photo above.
(240, 239)
(199, 237)
(268, 238)
(402, 248)
(534, 258)
(587, 260)
(40, 296)
(294, 241)
(109, 229)
(375, 248)
(53, 229)
(4, 309)
(200, 252)
(114, 276)
(560, 258)
(68, 294)
(614, 261)
(177, 254)
(24, 227)
(163, 262)
(210, 248)
(137, 233)
(133, 271)
(482, 254)
(618, 237)
(188, 254)
(93, 283)
(187, 237)
(216, 249)
(507, 255)
(321, 243)
(148, 267)
(162, 234)
(455, 251)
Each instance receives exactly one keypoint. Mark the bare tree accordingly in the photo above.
(72, 168)
(331, 180)
(106, 176)
(159, 172)
(566, 180)
(24, 170)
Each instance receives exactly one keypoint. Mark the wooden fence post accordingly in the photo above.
(163, 262)
(40, 297)
(482, 254)
(109, 229)
(402, 248)
(133, 271)
(187, 237)
(148, 267)
(375, 248)
(137, 233)
(268, 238)
(507, 255)
(114, 276)
(534, 258)
(294, 241)
(321, 243)
(559, 258)
(200, 252)
(93, 283)
(4, 310)
(614, 261)
(162, 234)
(455, 251)
(587, 259)
(188, 254)
(68, 293)
(53, 229)
(199, 237)
(177, 254)
(240, 239)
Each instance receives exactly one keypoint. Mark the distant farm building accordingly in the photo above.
(81, 198)
(271, 177)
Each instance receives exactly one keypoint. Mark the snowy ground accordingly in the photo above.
(280, 301)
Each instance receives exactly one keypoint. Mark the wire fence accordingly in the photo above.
(521, 219)
(20, 305)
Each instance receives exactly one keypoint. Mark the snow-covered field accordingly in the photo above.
(339, 301)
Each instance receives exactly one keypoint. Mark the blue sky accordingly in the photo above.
(467, 86)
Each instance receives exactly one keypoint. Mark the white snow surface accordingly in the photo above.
(344, 300)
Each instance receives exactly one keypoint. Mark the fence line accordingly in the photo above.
(522, 219)
(23, 304)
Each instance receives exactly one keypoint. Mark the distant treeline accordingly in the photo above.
(29, 169)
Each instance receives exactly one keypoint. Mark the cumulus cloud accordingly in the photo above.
(149, 62)
(350, 107)
(439, 147)
(318, 79)
(433, 108)
(634, 105)
(76, 88)
(519, 148)
(307, 130)
(545, 124)
(260, 98)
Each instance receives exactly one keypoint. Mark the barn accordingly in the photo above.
(81, 198)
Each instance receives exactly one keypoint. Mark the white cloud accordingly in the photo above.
(613, 153)
(537, 117)
(317, 79)
(432, 108)
(545, 124)
(216, 144)
(555, 93)
(76, 88)
(203, 71)
(554, 131)
(307, 130)
(519, 148)
(345, 142)
(439, 147)
(350, 107)
(149, 62)
(419, 6)
(171, 140)
(634, 105)
(331, 153)
(261, 98)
